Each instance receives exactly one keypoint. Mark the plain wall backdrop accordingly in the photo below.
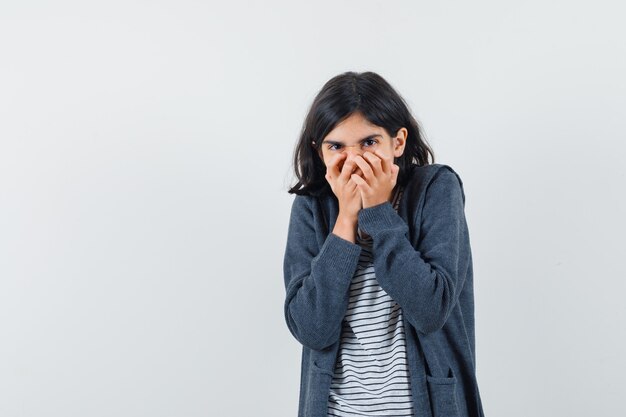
(145, 157)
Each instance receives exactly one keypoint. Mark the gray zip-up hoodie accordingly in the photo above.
(422, 258)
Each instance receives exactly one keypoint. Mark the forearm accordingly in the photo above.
(424, 281)
(345, 227)
(317, 296)
(424, 292)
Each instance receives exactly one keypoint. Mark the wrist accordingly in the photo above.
(346, 220)
(346, 226)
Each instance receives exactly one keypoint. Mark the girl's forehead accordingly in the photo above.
(353, 131)
(354, 121)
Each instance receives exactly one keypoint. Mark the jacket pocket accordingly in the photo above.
(317, 392)
(442, 392)
(321, 370)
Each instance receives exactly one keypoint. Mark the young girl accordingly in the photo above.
(378, 264)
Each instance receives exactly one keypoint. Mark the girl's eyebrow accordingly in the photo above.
(334, 142)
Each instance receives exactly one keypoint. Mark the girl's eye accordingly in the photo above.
(372, 141)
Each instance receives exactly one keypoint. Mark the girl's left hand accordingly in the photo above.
(380, 174)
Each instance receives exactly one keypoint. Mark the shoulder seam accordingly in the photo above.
(441, 171)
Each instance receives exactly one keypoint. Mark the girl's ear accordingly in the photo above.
(400, 142)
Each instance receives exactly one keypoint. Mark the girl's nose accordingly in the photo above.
(352, 151)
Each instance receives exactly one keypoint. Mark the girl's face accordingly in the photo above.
(355, 135)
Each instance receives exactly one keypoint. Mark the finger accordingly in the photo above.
(366, 168)
(374, 161)
(360, 182)
(395, 169)
(351, 186)
(333, 167)
(384, 163)
(347, 170)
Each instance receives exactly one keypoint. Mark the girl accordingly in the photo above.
(377, 266)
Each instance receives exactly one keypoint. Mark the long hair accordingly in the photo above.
(341, 96)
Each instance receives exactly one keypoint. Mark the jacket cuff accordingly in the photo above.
(378, 218)
(340, 254)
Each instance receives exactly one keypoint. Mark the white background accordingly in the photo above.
(145, 155)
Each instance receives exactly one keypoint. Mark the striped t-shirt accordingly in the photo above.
(371, 375)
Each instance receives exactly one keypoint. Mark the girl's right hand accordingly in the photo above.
(342, 185)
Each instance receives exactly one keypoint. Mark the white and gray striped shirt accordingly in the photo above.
(371, 376)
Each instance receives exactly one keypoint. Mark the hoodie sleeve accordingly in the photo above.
(317, 279)
(425, 281)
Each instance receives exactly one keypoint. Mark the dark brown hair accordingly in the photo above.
(341, 96)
